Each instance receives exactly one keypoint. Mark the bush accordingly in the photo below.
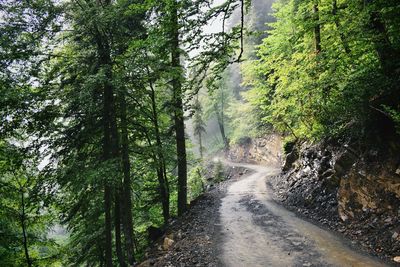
(195, 183)
(218, 172)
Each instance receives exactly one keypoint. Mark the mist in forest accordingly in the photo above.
(256, 21)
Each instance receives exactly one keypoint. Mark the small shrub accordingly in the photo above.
(195, 182)
(218, 172)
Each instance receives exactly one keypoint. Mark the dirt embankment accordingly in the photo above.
(354, 192)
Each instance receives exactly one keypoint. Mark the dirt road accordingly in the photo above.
(256, 231)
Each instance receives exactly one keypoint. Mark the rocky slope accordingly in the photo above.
(352, 191)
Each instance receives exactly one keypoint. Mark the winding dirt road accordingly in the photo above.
(256, 231)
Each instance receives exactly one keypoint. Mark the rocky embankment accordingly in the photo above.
(353, 192)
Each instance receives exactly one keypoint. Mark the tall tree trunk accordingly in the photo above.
(127, 197)
(178, 111)
(115, 156)
(24, 234)
(117, 226)
(163, 194)
(110, 145)
(221, 126)
(161, 176)
(317, 29)
(199, 120)
(221, 119)
(107, 187)
(181, 154)
(161, 171)
(164, 169)
(109, 138)
(103, 50)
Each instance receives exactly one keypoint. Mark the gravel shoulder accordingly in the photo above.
(197, 235)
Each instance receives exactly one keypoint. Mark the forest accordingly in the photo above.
(110, 110)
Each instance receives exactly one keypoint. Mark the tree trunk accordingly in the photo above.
(201, 146)
(107, 188)
(161, 171)
(127, 197)
(181, 154)
(178, 111)
(222, 130)
(163, 194)
(317, 29)
(109, 139)
(24, 235)
(386, 52)
(117, 226)
(164, 169)
(221, 122)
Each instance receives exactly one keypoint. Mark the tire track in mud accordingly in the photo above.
(302, 249)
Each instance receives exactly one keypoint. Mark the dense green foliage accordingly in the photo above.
(25, 213)
(93, 104)
(329, 68)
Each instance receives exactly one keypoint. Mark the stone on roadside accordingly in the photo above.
(388, 220)
(146, 263)
(395, 235)
(167, 243)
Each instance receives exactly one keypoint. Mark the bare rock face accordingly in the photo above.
(367, 183)
(266, 150)
(358, 192)
(354, 192)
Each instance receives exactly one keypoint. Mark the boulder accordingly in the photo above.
(395, 235)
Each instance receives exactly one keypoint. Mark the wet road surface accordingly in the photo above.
(256, 231)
